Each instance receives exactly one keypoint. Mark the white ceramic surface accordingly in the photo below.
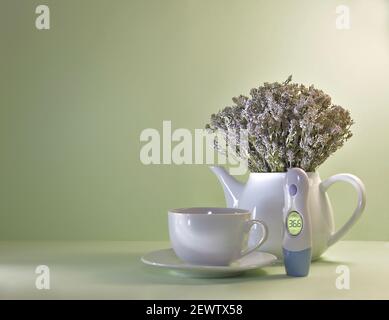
(212, 236)
(166, 258)
(263, 196)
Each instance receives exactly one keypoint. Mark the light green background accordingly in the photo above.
(75, 98)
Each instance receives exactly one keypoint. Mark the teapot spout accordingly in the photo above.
(232, 187)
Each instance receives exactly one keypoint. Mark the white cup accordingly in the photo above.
(212, 236)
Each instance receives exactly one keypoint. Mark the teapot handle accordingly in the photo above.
(360, 188)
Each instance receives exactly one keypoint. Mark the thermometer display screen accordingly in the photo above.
(294, 223)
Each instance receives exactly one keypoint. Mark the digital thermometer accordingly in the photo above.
(297, 243)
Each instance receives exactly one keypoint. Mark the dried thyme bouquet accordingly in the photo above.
(288, 125)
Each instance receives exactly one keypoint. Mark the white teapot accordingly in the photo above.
(263, 196)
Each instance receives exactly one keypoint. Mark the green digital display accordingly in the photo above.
(294, 223)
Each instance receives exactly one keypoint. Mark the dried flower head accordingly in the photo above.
(288, 124)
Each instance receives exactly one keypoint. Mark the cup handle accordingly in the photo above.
(360, 188)
(249, 225)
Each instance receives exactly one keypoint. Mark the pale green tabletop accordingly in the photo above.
(112, 270)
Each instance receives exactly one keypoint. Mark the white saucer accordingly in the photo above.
(166, 258)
